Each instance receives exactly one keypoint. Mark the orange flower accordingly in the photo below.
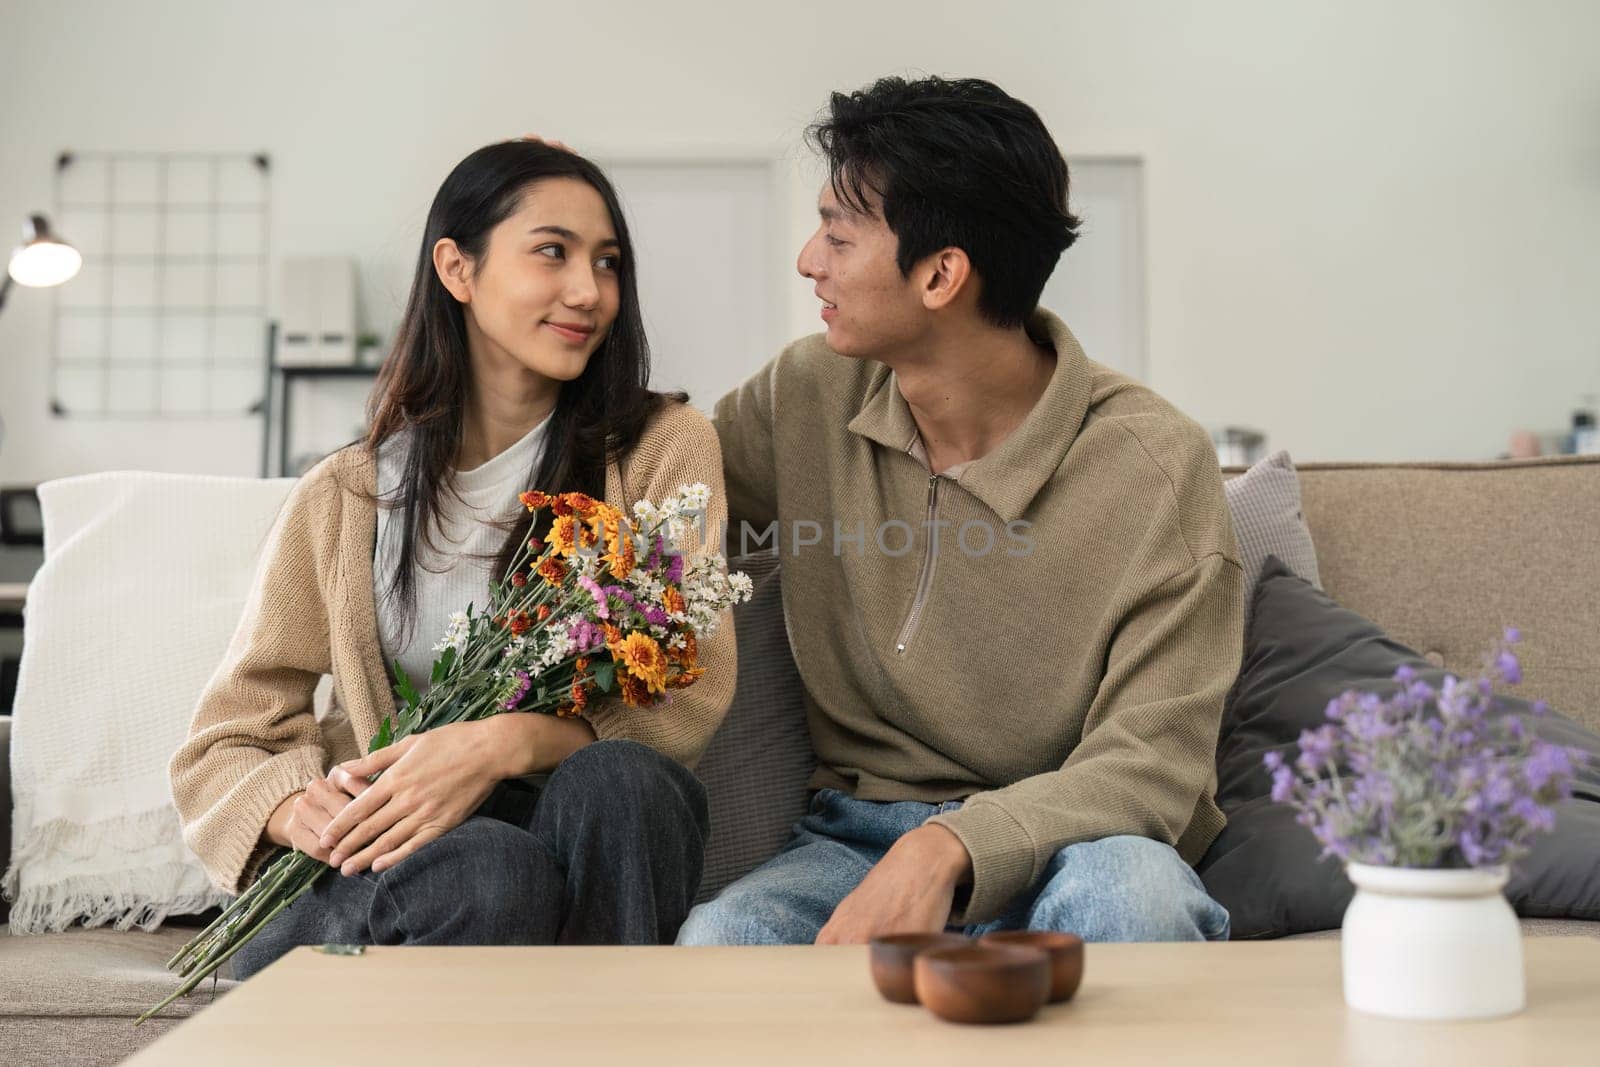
(563, 534)
(684, 679)
(622, 558)
(688, 654)
(560, 505)
(644, 659)
(542, 612)
(580, 696)
(635, 693)
(534, 500)
(581, 664)
(518, 622)
(613, 636)
(566, 711)
(672, 600)
(553, 571)
(581, 503)
(588, 536)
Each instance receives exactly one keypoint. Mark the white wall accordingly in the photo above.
(1372, 225)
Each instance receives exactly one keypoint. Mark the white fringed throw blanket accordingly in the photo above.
(144, 580)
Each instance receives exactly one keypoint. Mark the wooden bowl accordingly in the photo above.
(891, 957)
(983, 983)
(1065, 952)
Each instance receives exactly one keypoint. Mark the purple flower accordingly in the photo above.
(601, 609)
(586, 636)
(1547, 763)
(524, 683)
(1422, 778)
(1534, 814)
(1316, 749)
(675, 569)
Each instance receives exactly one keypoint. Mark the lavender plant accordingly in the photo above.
(1427, 778)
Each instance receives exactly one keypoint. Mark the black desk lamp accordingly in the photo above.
(41, 260)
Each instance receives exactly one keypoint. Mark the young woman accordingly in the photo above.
(521, 363)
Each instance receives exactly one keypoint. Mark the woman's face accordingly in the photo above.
(546, 290)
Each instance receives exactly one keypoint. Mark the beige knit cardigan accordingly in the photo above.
(255, 740)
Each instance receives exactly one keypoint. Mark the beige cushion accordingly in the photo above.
(98, 971)
(1443, 555)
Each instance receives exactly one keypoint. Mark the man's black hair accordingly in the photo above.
(955, 163)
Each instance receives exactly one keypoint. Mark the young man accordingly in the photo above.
(1009, 574)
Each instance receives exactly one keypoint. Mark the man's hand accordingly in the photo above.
(911, 890)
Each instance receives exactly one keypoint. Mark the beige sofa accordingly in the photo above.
(1440, 554)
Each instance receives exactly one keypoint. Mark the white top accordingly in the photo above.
(447, 580)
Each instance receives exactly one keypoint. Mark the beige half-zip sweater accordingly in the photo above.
(1048, 631)
(254, 739)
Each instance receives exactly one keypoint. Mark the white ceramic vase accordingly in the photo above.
(1431, 944)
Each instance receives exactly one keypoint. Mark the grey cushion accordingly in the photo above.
(757, 765)
(1268, 521)
(1530, 928)
(1301, 650)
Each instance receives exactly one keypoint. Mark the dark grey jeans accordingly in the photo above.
(608, 851)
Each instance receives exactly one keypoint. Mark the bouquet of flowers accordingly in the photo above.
(603, 605)
(1385, 783)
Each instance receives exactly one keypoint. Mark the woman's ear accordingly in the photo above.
(453, 268)
(947, 274)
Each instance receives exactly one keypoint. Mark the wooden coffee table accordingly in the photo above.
(1276, 1002)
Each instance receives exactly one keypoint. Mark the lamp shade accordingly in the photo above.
(42, 259)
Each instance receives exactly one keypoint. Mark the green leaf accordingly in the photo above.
(382, 738)
(605, 675)
(442, 665)
(403, 686)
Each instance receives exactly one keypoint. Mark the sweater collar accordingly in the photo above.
(1007, 479)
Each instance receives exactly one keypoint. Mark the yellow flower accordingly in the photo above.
(563, 535)
(622, 558)
(644, 659)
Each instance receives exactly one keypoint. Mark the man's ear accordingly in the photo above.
(946, 275)
(453, 268)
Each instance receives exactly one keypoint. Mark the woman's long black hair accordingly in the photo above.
(425, 382)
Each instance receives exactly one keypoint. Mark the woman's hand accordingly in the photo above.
(300, 821)
(431, 783)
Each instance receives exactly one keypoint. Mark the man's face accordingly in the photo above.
(872, 311)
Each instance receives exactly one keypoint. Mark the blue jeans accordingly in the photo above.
(609, 851)
(1114, 889)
